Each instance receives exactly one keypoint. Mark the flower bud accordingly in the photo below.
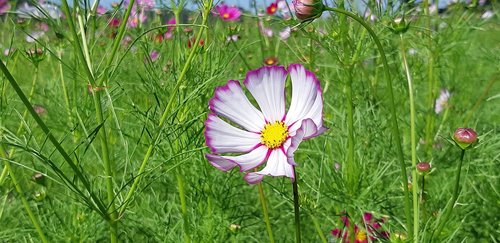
(399, 26)
(423, 168)
(308, 9)
(465, 137)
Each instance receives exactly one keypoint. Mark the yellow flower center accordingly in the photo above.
(225, 16)
(274, 134)
(361, 236)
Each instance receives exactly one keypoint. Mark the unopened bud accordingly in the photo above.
(465, 137)
(308, 9)
(399, 26)
(424, 167)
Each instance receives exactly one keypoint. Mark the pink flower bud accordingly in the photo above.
(423, 167)
(308, 9)
(464, 137)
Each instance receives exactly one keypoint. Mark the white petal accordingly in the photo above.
(246, 161)
(307, 99)
(267, 86)
(307, 129)
(277, 165)
(222, 137)
(230, 101)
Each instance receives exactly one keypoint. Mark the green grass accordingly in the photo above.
(466, 61)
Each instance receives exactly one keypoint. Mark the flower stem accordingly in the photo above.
(413, 142)
(296, 206)
(394, 121)
(449, 207)
(20, 191)
(166, 112)
(265, 212)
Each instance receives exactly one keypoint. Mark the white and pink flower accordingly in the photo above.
(267, 134)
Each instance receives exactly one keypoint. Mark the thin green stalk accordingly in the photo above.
(97, 203)
(65, 90)
(182, 196)
(21, 124)
(265, 212)
(296, 206)
(449, 208)
(394, 121)
(104, 141)
(413, 142)
(166, 112)
(20, 191)
(318, 228)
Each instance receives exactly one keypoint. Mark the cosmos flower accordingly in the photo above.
(369, 231)
(4, 6)
(285, 33)
(154, 55)
(170, 29)
(227, 13)
(272, 8)
(233, 38)
(267, 134)
(271, 61)
(139, 12)
(101, 10)
(442, 101)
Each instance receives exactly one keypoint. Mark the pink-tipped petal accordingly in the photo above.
(220, 162)
(267, 86)
(246, 161)
(277, 165)
(307, 99)
(307, 128)
(222, 137)
(230, 101)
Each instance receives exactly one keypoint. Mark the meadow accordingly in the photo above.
(105, 119)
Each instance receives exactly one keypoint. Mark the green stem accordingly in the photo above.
(20, 191)
(394, 121)
(413, 141)
(265, 213)
(97, 203)
(449, 208)
(21, 124)
(182, 196)
(166, 112)
(296, 206)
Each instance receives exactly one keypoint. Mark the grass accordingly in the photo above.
(216, 206)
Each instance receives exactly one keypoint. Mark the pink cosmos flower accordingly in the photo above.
(267, 134)
(139, 12)
(285, 33)
(4, 6)
(369, 231)
(153, 56)
(227, 13)
(170, 29)
(442, 101)
(100, 10)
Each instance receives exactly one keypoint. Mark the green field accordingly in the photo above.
(114, 148)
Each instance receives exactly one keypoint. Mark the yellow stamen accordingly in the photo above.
(274, 134)
(225, 16)
(360, 236)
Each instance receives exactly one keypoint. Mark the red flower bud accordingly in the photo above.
(308, 9)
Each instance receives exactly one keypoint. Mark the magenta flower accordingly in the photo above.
(153, 56)
(369, 231)
(227, 13)
(139, 12)
(285, 33)
(267, 134)
(4, 6)
(170, 29)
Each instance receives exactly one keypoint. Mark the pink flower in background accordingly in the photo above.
(442, 101)
(227, 13)
(267, 134)
(139, 12)
(233, 38)
(284, 9)
(285, 33)
(369, 231)
(170, 29)
(114, 22)
(268, 32)
(4, 6)
(101, 10)
(42, 26)
(153, 55)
